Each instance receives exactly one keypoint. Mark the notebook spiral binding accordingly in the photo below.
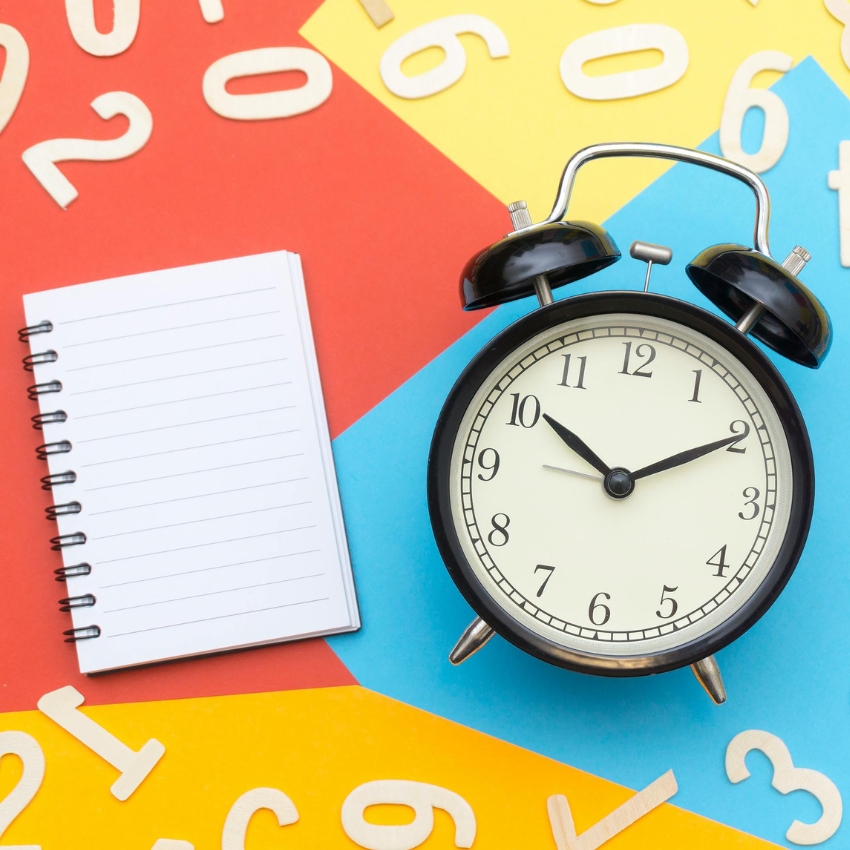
(57, 479)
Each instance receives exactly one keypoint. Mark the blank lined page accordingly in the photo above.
(204, 470)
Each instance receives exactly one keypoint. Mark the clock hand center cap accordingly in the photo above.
(618, 483)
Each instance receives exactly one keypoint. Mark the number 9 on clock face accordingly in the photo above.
(620, 483)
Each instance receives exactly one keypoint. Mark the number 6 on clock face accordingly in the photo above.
(619, 485)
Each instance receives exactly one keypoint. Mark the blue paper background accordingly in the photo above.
(789, 675)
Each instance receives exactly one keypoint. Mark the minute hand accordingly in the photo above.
(683, 457)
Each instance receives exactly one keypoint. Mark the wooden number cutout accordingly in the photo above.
(239, 816)
(268, 60)
(172, 844)
(86, 34)
(787, 778)
(741, 98)
(840, 181)
(30, 753)
(631, 38)
(14, 73)
(420, 797)
(41, 159)
(840, 10)
(62, 708)
(563, 827)
(442, 33)
(212, 10)
(378, 11)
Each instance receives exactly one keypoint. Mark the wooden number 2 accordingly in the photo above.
(787, 778)
(268, 60)
(124, 28)
(41, 159)
(442, 33)
(563, 827)
(27, 749)
(14, 74)
(741, 98)
(62, 708)
(840, 10)
(251, 802)
(420, 797)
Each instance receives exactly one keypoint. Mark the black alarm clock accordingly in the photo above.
(621, 483)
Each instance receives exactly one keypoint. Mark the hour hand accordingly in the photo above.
(578, 445)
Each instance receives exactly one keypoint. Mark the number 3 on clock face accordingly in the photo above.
(620, 483)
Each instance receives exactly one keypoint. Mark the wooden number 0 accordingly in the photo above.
(251, 802)
(27, 749)
(124, 28)
(14, 74)
(41, 159)
(787, 778)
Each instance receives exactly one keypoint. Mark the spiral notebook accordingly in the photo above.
(190, 463)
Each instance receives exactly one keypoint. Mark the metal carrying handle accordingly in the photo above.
(647, 149)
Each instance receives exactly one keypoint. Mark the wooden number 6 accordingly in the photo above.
(787, 778)
(251, 802)
(27, 749)
(421, 797)
(41, 159)
(741, 98)
(124, 28)
(15, 72)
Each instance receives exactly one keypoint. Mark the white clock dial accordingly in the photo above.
(678, 555)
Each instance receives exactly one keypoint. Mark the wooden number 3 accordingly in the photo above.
(787, 778)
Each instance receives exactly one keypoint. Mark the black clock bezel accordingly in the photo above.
(600, 303)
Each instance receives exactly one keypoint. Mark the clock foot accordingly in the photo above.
(708, 675)
(475, 636)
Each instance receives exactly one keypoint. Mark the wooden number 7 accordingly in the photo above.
(563, 827)
(41, 159)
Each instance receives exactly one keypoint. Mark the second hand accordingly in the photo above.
(573, 472)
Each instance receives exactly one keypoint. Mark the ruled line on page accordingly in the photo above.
(182, 400)
(171, 304)
(210, 569)
(175, 377)
(202, 519)
(172, 353)
(190, 448)
(208, 543)
(198, 496)
(174, 328)
(187, 424)
(210, 593)
(192, 472)
(220, 617)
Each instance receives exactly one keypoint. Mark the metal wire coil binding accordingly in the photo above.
(63, 541)
(48, 482)
(42, 419)
(44, 327)
(33, 360)
(61, 447)
(64, 573)
(44, 389)
(87, 600)
(84, 633)
(62, 510)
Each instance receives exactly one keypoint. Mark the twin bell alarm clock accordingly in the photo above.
(621, 483)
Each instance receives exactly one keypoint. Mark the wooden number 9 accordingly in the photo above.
(421, 797)
(441, 33)
(27, 749)
(124, 28)
(787, 778)
(741, 98)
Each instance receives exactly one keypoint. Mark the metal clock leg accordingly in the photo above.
(475, 636)
(708, 675)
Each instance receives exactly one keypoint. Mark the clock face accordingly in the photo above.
(637, 566)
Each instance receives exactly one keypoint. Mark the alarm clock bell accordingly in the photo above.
(761, 296)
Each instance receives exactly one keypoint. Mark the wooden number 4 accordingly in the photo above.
(563, 827)
(62, 708)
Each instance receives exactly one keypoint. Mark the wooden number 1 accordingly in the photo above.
(61, 707)
(563, 827)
